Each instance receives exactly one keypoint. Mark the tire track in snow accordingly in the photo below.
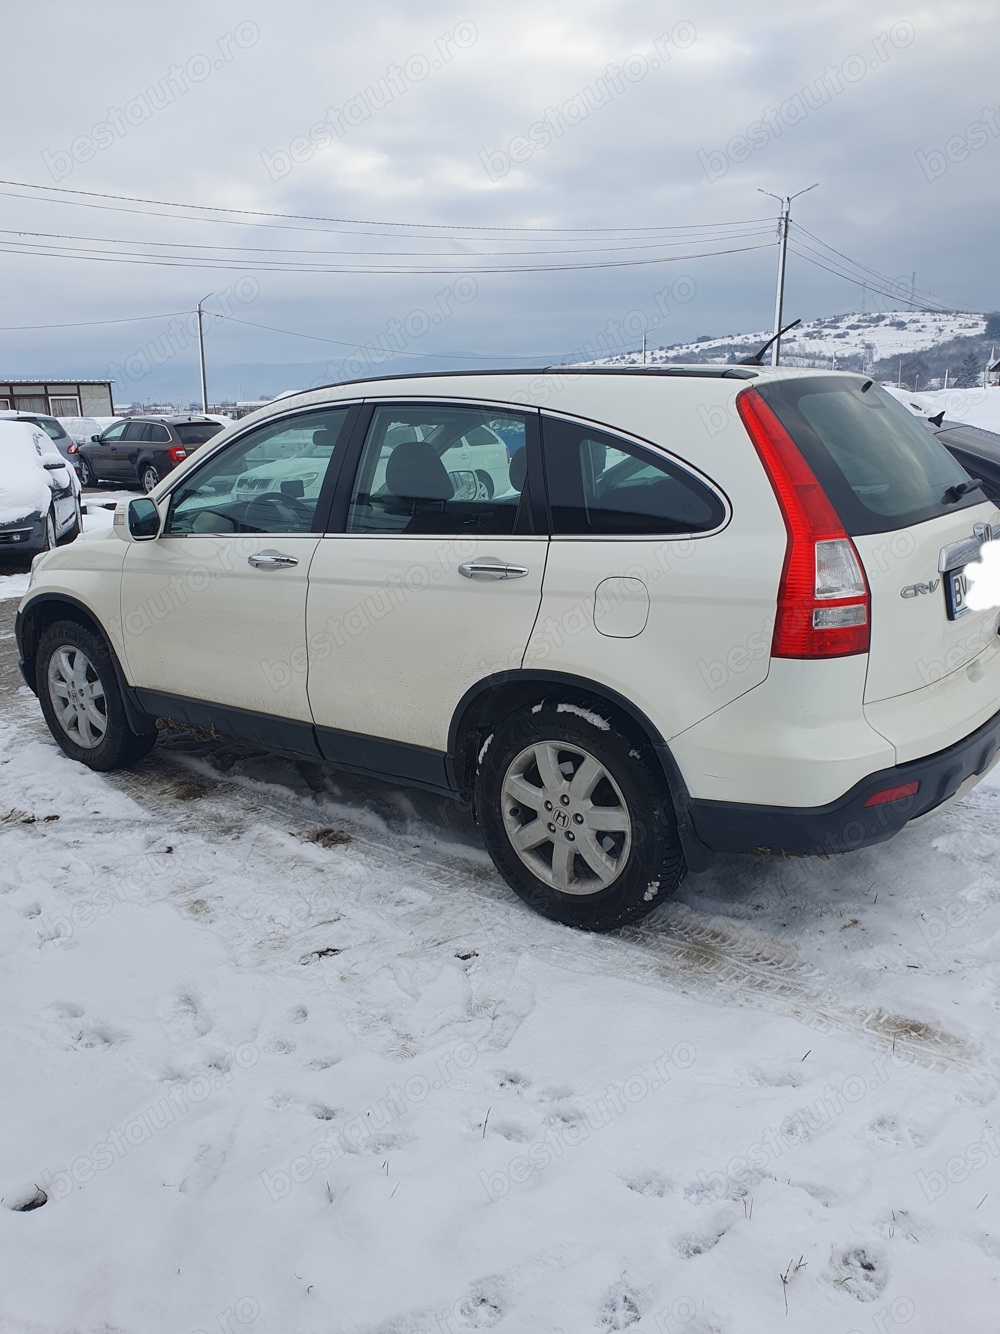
(680, 948)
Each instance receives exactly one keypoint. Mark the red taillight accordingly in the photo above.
(72, 448)
(177, 454)
(893, 794)
(824, 602)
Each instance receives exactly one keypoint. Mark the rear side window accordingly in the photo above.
(881, 467)
(600, 485)
(52, 428)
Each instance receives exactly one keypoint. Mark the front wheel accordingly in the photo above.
(577, 816)
(78, 691)
(87, 475)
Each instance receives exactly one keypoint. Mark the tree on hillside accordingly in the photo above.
(992, 329)
(969, 372)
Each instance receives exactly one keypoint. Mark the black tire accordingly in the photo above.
(487, 482)
(642, 863)
(75, 528)
(148, 477)
(87, 475)
(117, 746)
(48, 533)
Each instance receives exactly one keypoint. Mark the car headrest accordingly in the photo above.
(414, 472)
(325, 436)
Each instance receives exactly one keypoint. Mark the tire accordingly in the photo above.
(87, 475)
(486, 481)
(619, 816)
(75, 528)
(48, 533)
(92, 728)
(148, 477)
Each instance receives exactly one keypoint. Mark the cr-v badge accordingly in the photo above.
(914, 590)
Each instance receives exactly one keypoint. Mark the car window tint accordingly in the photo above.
(267, 481)
(196, 433)
(600, 485)
(438, 469)
(157, 434)
(135, 431)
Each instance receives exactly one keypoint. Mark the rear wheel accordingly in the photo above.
(148, 477)
(78, 691)
(578, 818)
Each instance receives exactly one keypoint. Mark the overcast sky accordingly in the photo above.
(528, 115)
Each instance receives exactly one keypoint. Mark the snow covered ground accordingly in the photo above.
(283, 1054)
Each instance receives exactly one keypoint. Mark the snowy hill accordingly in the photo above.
(850, 339)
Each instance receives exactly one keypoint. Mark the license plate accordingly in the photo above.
(956, 588)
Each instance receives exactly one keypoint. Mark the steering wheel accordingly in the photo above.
(266, 510)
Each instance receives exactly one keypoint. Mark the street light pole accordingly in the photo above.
(786, 204)
(201, 350)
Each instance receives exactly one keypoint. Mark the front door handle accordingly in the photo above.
(492, 570)
(271, 560)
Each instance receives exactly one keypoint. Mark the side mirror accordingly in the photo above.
(143, 520)
(95, 439)
(53, 466)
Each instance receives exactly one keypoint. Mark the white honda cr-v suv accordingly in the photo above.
(709, 609)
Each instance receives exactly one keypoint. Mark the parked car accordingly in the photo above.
(39, 491)
(52, 427)
(81, 430)
(976, 449)
(142, 450)
(714, 610)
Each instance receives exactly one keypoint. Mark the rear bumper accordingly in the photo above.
(847, 824)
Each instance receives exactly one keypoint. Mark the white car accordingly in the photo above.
(39, 490)
(708, 610)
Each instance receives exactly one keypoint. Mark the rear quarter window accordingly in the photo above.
(881, 467)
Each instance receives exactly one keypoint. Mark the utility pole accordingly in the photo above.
(644, 349)
(786, 204)
(201, 350)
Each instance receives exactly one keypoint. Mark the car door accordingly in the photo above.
(428, 586)
(102, 454)
(213, 609)
(653, 587)
(126, 447)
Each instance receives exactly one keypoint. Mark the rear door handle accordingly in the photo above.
(492, 570)
(271, 560)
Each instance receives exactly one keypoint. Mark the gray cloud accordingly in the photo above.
(518, 116)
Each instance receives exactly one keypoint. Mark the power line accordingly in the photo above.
(88, 324)
(360, 222)
(204, 262)
(16, 232)
(916, 295)
(400, 352)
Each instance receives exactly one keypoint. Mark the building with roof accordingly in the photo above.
(58, 398)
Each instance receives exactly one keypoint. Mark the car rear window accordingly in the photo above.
(52, 428)
(196, 433)
(879, 464)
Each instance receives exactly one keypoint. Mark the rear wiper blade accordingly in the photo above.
(955, 493)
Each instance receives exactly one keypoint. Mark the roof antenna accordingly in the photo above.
(757, 359)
